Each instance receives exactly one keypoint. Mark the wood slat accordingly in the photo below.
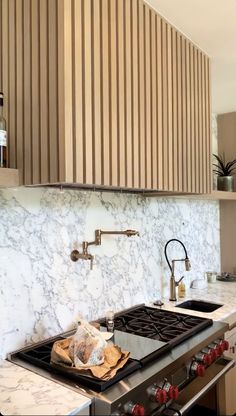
(78, 91)
(61, 91)
(35, 92)
(19, 88)
(5, 61)
(142, 142)
(209, 130)
(196, 120)
(175, 109)
(121, 93)
(165, 154)
(179, 116)
(105, 95)
(97, 92)
(160, 184)
(43, 88)
(184, 120)
(135, 96)
(154, 99)
(88, 144)
(148, 97)
(192, 125)
(128, 94)
(1, 46)
(188, 116)
(27, 93)
(200, 122)
(204, 138)
(169, 108)
(114, 93)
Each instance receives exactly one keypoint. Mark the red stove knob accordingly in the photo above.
(134, 409)
(197, 369)
(173, 392)
(161, 396)
(203, 358)
(213, 354)
(138, 410)
(225, 345)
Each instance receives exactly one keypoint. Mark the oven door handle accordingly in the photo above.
(187, 406)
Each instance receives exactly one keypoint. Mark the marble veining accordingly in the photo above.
(43, 292)
(25, 393)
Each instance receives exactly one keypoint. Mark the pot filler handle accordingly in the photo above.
(182, 410)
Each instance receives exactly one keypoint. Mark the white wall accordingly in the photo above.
(43, 291)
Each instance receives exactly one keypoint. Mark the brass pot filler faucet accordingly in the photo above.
(173, 282)
(76, 255)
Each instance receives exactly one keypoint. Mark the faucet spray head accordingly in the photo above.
(187, 264)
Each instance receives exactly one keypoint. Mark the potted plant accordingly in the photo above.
(224, 171)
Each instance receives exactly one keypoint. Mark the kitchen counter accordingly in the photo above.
(25, 393)
(220, 292)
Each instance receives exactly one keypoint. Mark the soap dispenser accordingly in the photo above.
(181, 289)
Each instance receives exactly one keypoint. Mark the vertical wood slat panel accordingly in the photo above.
(160, 184)
(5, 61)
(207, 144)
(175, 110)
(35, 93)
(97, 93)
(88, 155)
(78, 85)
(52, 90)
(204, 171)
(169, 108)
(154, 99)
(148, 98)
(1, 46)
(12, 84)
(196, 119)
(192, 135)
(128, 82)
(70, 172)
(121, 94)
(184, 140)
(135, 120)
(44, 138)
(200, 151)
(114, 93)
(208, 133)
(141, 97)
(61, 91)
(27, 93)
(19, 87)
(188, 117)
(105, 99)
(164, 107)
(179, 117)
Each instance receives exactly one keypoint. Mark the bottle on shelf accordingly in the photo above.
(3, 136)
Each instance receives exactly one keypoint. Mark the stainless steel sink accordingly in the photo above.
(199, 305)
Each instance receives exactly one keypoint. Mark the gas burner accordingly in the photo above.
(159, 324)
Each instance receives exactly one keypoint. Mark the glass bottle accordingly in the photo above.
(3, 136)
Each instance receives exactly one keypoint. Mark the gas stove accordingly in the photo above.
(169, 352)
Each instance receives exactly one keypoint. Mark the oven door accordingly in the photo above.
(192, 394)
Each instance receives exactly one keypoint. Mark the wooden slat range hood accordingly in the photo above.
(104, 93)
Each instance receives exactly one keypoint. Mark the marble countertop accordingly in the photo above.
(25, 393)
(220, 292)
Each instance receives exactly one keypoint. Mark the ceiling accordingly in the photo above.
(211, 24)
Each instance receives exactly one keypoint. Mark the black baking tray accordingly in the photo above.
(41, 357)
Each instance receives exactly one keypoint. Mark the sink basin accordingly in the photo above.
(199, 305)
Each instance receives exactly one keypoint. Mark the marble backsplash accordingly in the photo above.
(43, 292)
